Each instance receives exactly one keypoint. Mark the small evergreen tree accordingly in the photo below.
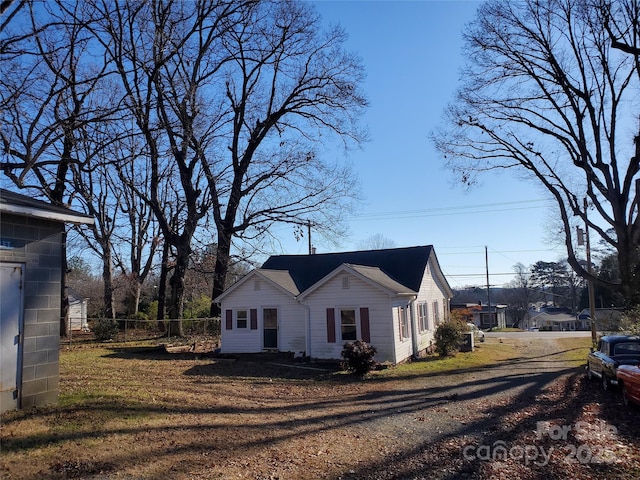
(358, 357)
(448, 336)
(105, 329)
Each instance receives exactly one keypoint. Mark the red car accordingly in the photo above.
(629, 381)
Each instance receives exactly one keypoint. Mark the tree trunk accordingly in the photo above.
(135, 298)
(176, 307)
(107, 278)
(220, 270)
(133, 295)
(162, 287)
(64, 305)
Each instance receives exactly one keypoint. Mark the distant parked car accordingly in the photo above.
(612, 351)
(629, 381)
(478, 335)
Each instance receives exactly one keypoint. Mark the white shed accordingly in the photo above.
(77, 318)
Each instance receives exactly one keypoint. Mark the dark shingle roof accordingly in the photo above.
(404, 265)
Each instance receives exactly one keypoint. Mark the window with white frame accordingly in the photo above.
(436, 313)
(404, 322)
(445, 310)
(423, 316)
(241, 318)
(348, 327)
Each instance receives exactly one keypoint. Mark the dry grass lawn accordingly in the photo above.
(137, 412)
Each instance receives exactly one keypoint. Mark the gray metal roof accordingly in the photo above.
(378, 276)
(281, 278)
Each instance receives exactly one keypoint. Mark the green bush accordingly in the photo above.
(105, 329)
(140, 316)
(152, 310)
(198, 307)
(358, 357)
(448, 337)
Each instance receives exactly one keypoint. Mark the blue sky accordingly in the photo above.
(412, 52)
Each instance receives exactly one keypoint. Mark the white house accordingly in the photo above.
(392, 299)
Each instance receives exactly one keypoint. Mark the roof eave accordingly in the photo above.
(245, 278)
(46, 215)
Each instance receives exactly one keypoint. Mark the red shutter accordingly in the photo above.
(254, 318)
(331, 325)
(364, 324)
(229, 319)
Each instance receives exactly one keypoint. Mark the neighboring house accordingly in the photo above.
(392, 299)
(77, 317)
(482, 317)
(32, 237)
(553, 318)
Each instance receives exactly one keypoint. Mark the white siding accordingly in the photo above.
(359, 295)
(342, 291)
(430, 291)
(77, 315)
(403, 346)
(291, 319)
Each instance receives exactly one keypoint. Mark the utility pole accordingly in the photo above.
(486, 262)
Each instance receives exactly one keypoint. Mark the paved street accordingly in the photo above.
(536, 335)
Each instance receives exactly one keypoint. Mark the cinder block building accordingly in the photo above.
(32, 242)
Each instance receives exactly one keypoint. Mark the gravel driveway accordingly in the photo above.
(544, 414)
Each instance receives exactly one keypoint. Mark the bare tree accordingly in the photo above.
(80, 277)
(224, 103)
(622, 23)
(546, 93)
(50, 77)
(166, 55)
(520, 297)
(101, 203)
(139, 238)
(376, 242)
(288, 87)
(47, 92)
(9, 9)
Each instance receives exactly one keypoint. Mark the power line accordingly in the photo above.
(476, 274)
(442, 254)
(459, 210)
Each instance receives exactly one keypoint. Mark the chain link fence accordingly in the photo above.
(84, 330)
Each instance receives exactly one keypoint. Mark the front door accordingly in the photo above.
(10, 321)
(270, 327)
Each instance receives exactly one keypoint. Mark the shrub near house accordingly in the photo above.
(358, 357)
(448, 337)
